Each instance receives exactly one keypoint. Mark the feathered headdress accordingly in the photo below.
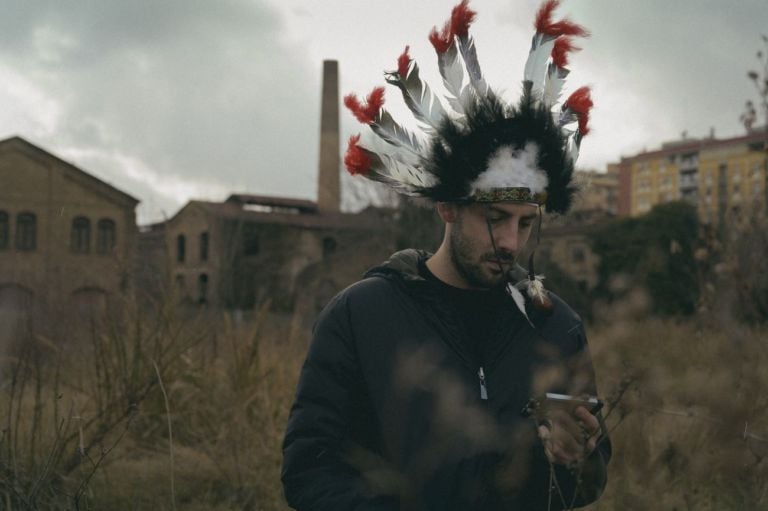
(475, 147)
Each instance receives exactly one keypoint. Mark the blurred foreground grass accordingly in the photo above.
(86, 424)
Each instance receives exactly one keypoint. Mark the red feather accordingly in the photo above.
(544, 16)
(580, 102)
(366, 114)
(356, 161)
(563, 45)
(461, 18)
(544, 24)
(443, 40)
(403, 61)
(566, 27)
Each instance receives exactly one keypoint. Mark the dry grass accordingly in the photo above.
(86, 422)
(689, 409)
(229, 406)
(691, 427)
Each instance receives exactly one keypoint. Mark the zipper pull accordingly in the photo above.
(483, 389)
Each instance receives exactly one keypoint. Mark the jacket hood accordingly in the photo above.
(403, 264)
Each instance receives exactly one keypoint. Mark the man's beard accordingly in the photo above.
(462, 252)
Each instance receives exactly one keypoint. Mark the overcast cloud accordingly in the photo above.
(179, 99)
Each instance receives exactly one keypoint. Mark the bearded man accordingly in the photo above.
(413, 392)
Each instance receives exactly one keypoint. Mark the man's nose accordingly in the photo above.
(507, 237)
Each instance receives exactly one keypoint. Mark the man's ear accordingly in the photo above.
(448, 212)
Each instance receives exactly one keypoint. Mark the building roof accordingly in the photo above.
(80, 176)
(303, 206)
(594, 177)
(370, 218)
(696, 145)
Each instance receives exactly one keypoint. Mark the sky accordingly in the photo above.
(172, 100)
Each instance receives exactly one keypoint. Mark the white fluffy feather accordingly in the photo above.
(536, 289)
(508, 168)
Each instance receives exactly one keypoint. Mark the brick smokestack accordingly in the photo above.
(328, 182)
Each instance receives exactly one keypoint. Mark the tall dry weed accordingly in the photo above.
(70, 400)
(229, 399)
(688, 410)
(86, 425)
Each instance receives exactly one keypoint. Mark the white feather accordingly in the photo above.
(566, 117)
(390, 131)
(469, 54)
(553, 85)
(398, 169)
(452, 71)
(418, 96)
(536, 65)
(572, 148)
(519, 300)
(409, 175)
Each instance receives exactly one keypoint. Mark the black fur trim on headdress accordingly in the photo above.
(460, 152)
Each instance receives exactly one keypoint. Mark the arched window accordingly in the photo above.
(251, 244)
(204, 246)
(80, 239)
(105, 236)
(202, 288)
(26, 231)
(181, 247)
(329, 246)
(180, 288)
(4, 230)
(15, 297)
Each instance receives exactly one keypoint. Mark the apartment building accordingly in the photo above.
(719, 176)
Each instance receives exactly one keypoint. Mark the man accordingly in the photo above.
(412, 394)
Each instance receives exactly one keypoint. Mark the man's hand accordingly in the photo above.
(569, 438)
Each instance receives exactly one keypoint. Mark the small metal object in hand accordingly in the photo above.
(540, 407)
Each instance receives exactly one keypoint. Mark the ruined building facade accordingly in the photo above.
(66, 237)
(250, 249)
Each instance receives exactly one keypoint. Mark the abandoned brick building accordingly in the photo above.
(238, 253)
(66, 237)
(247, 249)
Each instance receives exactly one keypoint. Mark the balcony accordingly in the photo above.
(688, 161)
(689, 180)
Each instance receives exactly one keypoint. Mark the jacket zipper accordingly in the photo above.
(483, 388)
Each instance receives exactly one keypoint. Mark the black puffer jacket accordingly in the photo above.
(389, 415)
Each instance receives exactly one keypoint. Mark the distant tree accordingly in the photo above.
(743, 278)
(566, 287)
(751, 114)
(655, 252)
(760, 80)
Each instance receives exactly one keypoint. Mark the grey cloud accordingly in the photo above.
(687, 59)
(204, 90)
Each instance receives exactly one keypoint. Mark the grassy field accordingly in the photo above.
(163, 412)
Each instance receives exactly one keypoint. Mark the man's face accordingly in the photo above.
(471, 249)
